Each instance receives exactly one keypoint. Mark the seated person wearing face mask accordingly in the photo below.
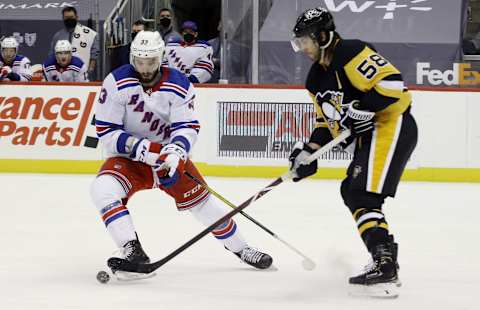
(13, 67)
(63, 66)
(190, 56)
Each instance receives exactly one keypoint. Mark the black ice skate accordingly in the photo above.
(134, 253)
(255, 258)
(131, 255)
(380, 277)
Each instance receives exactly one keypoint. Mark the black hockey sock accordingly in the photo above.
(372, 226)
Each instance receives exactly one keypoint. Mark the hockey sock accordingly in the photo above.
(372, 226)
(227, 232)
(119, 223)
(107, 194)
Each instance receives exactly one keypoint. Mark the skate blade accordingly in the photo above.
(272, 268)
(381, 290)
(132, 276)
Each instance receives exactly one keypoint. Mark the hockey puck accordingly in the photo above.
(103, 277)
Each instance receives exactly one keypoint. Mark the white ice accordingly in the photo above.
(53, 243)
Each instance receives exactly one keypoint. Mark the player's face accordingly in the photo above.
(8, 54)
(146, 67)
(306, 45)
(63, 58)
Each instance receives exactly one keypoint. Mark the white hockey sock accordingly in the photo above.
(107, 194)
(227, 232)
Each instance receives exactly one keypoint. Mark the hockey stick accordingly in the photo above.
(307, 263)
(116, 263)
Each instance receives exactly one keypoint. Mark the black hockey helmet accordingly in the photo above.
(312, 22)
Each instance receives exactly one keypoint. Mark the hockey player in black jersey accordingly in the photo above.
(352, 86)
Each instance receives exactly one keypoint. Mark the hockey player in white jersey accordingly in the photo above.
(63, 66)
(147, 127)
(13, 67)
(191, 56)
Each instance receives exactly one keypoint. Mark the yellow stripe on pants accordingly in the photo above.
(384, 140)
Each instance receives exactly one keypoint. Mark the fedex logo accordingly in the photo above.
(459, 75)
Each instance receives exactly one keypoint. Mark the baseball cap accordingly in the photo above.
(189, 25)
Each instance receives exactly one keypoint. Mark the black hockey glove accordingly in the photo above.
(299, 153)
(360, 122)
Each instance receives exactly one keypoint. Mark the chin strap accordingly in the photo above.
(325, 46)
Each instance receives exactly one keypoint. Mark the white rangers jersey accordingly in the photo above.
(194, 60)
(76, 71)
(163, 114)
(20, 66)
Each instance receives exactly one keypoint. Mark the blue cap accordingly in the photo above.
(189, 25)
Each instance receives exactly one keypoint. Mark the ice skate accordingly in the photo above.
(254, 258)
(131, 255)
(380, 277)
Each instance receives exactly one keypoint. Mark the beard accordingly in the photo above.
(150, 77)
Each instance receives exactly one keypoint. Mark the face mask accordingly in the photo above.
(70, 23)
(134, 34)
(165, 22)
(188, 37)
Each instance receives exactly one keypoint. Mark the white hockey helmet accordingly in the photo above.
(63, 46)
(147, 44)
(9, 49)
(9, 42)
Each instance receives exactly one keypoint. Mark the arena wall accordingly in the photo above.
(246, 131)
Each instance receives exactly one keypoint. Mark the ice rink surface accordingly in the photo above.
(53, 243)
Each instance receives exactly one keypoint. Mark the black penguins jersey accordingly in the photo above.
(356, 73)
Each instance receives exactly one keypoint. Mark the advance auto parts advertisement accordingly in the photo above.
(48, 122)
(266, 130)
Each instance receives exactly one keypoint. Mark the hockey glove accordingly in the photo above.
(360, 122)
(145, 151)
(300, 153)
(171, 164)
